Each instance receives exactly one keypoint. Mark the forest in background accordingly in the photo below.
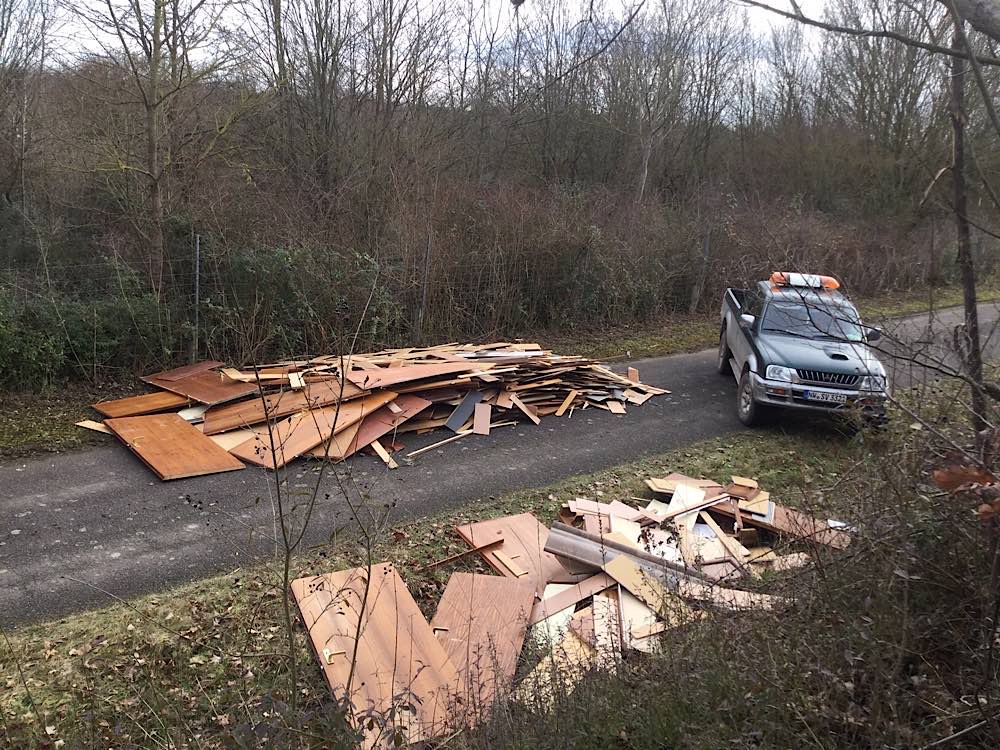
(413, 171)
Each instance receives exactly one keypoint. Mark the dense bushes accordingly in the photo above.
(506, 261)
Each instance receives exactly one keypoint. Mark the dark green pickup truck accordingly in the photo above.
(796, 342)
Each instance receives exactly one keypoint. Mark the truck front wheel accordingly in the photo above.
(749, 411)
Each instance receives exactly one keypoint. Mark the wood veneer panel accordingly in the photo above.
(171, 447)
(398, 659)
(254, 411)
(148, 403)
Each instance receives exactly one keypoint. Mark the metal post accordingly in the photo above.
(197, 294)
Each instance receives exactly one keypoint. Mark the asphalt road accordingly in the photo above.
(100, 517)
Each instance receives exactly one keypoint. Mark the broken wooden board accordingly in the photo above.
(291, 437)
(385, 377)
(528, 411)
(276, 405)
(90, 424)
(567, 402)
(148, 403)
(574, 593)
(207, 387)
(794, 523)
(380, 422)
(524, 541)
(179, 373)
(481, 621)
(366, 617)
(171, 447)
(481, 419)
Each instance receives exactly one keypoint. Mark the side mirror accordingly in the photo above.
(747, 321)
(873, 334)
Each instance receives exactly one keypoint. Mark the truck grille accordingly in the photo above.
(832, 379)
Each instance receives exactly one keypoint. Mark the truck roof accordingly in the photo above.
(804, 294)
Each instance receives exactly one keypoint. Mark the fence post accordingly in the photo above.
(197, 296)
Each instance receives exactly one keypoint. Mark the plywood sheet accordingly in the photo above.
(171, 447)
(380, 422)
(277, 405)
(207, 387)
(193, 369)
(148, 403)
(398, 661)
(481, 622)
(388, 376)
(524, 540)
(290, 438)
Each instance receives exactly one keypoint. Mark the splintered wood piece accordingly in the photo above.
(567, 402)
(148, 403)
(615, 407)
(438, 444)
(524, 541)
(382, 453)
(633, 375)
(528, 411)
(746, 482)
(277, 405)
(464, 553)
(481, 621)
(90, 424)
(296, 381)
(291, 437)
(369, 618)
(481, 419)
(171, 447)
(635, 617)
(505, 399)
(207, 386)
(582, 623)
(463, 411)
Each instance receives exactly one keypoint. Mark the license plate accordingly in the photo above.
(831, 398)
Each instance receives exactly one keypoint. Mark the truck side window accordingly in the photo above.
(753, 304)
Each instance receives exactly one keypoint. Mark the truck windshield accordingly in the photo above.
(813, 321)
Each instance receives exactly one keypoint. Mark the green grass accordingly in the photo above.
(207, 659)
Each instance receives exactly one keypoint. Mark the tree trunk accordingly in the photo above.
(971, 347)
(156, 240)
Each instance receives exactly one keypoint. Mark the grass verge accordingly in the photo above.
(205, 664)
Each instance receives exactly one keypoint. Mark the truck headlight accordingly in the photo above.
(777, 372)
(873, 383)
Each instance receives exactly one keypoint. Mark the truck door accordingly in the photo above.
(739, 342)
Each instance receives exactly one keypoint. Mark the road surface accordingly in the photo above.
(100, 517)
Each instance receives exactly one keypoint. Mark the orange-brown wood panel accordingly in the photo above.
(148, 403)
(276, 405)
(481, 622)
(524, 541)
(290, 438)
(171, 447)
(367, 616)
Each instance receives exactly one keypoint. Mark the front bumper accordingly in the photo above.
(807, 397)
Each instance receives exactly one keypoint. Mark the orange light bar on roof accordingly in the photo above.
(809, 280)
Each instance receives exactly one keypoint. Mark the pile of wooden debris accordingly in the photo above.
(600, 583)
(206, 418)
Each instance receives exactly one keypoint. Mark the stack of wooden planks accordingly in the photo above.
(607, 579)
(206, 417)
